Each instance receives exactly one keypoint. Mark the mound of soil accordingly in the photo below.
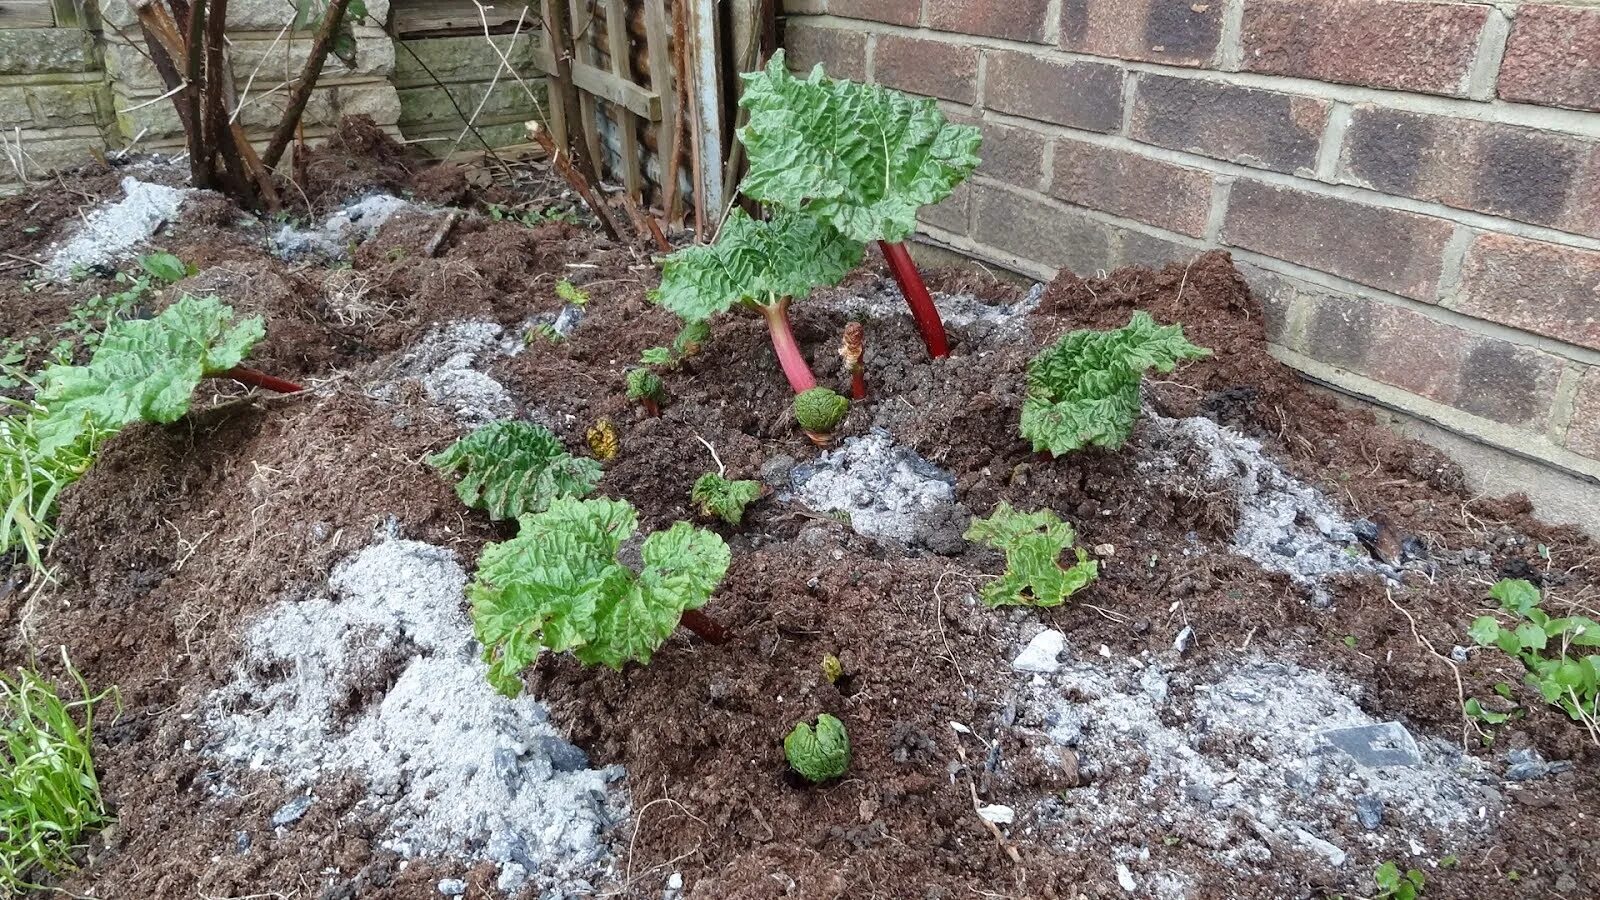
(182, 536)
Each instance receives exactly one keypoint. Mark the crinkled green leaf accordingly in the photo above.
(1033, 544)
(1484, 631)
(512, 468)
(755, 261)
(818, 754)
(558, 586)
(860, 156)
(721, 498)
(820, 410)
(144, 369)
(644, 384)
(1516, 595)
(1084, 390)
(164, 266)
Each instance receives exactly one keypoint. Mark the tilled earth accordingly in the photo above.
(181, 535)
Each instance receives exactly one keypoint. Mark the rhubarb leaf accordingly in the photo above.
(144, 369)
(717, 497)
(1033, 544)
(755, 261)
(860, 156)
(559, 586)
(819, 754)
(511, 468)
(1084, 390)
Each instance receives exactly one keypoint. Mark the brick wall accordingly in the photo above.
(1412, 186)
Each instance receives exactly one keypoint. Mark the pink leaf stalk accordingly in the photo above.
(783, 342)
(916, 294)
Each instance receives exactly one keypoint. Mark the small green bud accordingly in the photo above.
(644, 384)
(821, 754)
(820, 410)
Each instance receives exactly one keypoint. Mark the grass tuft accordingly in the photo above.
(49, 794)
(31, 482)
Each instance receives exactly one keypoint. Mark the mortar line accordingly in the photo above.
(1052, 22)
(1480, 80)
(1221, 194)
(1455, 257)
(1230, 42)
(1564, 404)
(1330, 150)
(1130, 93)
(1349, 192)
(1527, 115)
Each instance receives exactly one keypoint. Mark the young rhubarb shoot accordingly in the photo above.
(1084, 390)
(821, 754)
(852, 349)
(144, 369)
(861, 157)
(763, 265)
(1033, 544)
(512, 468)
(603, 441)
(558, 586)
(688, 342)
(819, 411)
(645, 388)
(717, 497)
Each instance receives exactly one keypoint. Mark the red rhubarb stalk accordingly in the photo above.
(852, 348)
(249, 376)
(916, 294)
(789, 357)
(710, 630)
(651, 408)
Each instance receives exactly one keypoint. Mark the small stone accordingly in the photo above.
(512, 877)
(775, 471)
(1125, 878)
(1369, 812)
(675, 881)
(1334, 855)
(1105, 550)
(1105, 651)
(1042, 653)
(1459, 653)
(1184, 641)
(241, 841)
(564, 756)
(998, 814)
(1526, 765)
(290, 812)
(452, 887)
(1384, 744)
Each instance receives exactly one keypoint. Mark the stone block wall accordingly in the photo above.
(1412, 186)
(54, 103)
(432, 111)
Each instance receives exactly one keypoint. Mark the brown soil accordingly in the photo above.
(181, 534)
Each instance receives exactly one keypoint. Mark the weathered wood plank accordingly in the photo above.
(27, 14)
(583, 56)
(658, 34)
(627, 124)
(440, 18)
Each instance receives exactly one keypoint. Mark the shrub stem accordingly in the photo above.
(916, 294)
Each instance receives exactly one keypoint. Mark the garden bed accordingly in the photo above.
(274, 584)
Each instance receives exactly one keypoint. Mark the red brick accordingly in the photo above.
(1132, 186)
(1520, 173)
(1553, 57)
(1583, 435)
(894, 12)
(1543, 288)
(1264, 129)
(1014, 155)
(1398, 44)
(1383, 248)
(1177, 32)
(843, 53)
(1040, 233)
(1076, 94)
(932, 68)
(1480, 375)
(951, 213)
(1019, 20)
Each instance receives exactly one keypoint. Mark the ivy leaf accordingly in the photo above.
(558, 586)
(1084, 390)
(1033, 544)
(821, 753)
(862, 157)
(511, 468)
(1515, 595)
(717, 497)
(1531, 636)
(144, 369)
(164, 266)
(755, 261)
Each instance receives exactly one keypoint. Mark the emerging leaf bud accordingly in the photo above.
(819, 411)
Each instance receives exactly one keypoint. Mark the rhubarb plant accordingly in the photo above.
(818, 754)
(1033, 544)
(1550, 648)
(558, 586)
(717, 497)
(646, 389)
(1084, 390)
(861, 157)
(144, 369)
(512, 468)
(688, 342)
(819, 411)
(762, 265)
